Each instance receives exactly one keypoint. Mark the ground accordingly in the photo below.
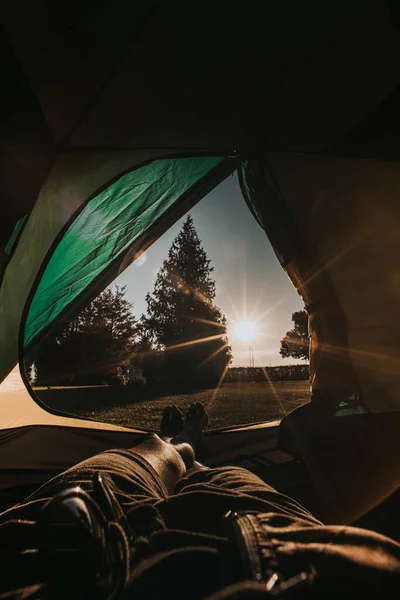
(232, 404)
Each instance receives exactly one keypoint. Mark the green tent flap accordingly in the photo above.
(12, 242)
(106, 229)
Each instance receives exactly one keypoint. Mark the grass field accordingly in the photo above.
(233, 404)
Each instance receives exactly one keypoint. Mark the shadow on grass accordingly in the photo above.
(66, 399)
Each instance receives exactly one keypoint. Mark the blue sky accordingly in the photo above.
(250, 283)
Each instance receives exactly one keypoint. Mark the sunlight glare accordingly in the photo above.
(245, 331)
(140, 260)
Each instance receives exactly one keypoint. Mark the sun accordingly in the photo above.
(245, 331)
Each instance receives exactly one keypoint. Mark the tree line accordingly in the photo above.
(262, 374)
(182, 338)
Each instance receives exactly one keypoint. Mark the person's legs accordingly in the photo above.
(176, 467)
(174, 455)
(145, 473)
(233, 486)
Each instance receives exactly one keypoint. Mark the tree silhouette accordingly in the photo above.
(296, 342)
(93, 346)
(182, 320)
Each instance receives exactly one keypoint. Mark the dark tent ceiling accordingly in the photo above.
(218, 76)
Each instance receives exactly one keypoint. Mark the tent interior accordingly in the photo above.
(134, 113)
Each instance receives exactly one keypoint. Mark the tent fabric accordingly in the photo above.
(26, 148)
(126, 76)
(353, 460)
(71, 181)
(124, 213)
(262, 193)
(17, 409)
(12, 242)
(347, 218)
(192, 94)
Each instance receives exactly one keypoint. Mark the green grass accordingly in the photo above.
(233, 404)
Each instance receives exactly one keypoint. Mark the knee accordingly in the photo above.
(154, 442)
(154, 437)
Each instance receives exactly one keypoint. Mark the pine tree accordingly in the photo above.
(182, 319)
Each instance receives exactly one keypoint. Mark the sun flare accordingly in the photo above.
(245, 331)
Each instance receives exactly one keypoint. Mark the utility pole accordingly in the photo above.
(251, 356)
